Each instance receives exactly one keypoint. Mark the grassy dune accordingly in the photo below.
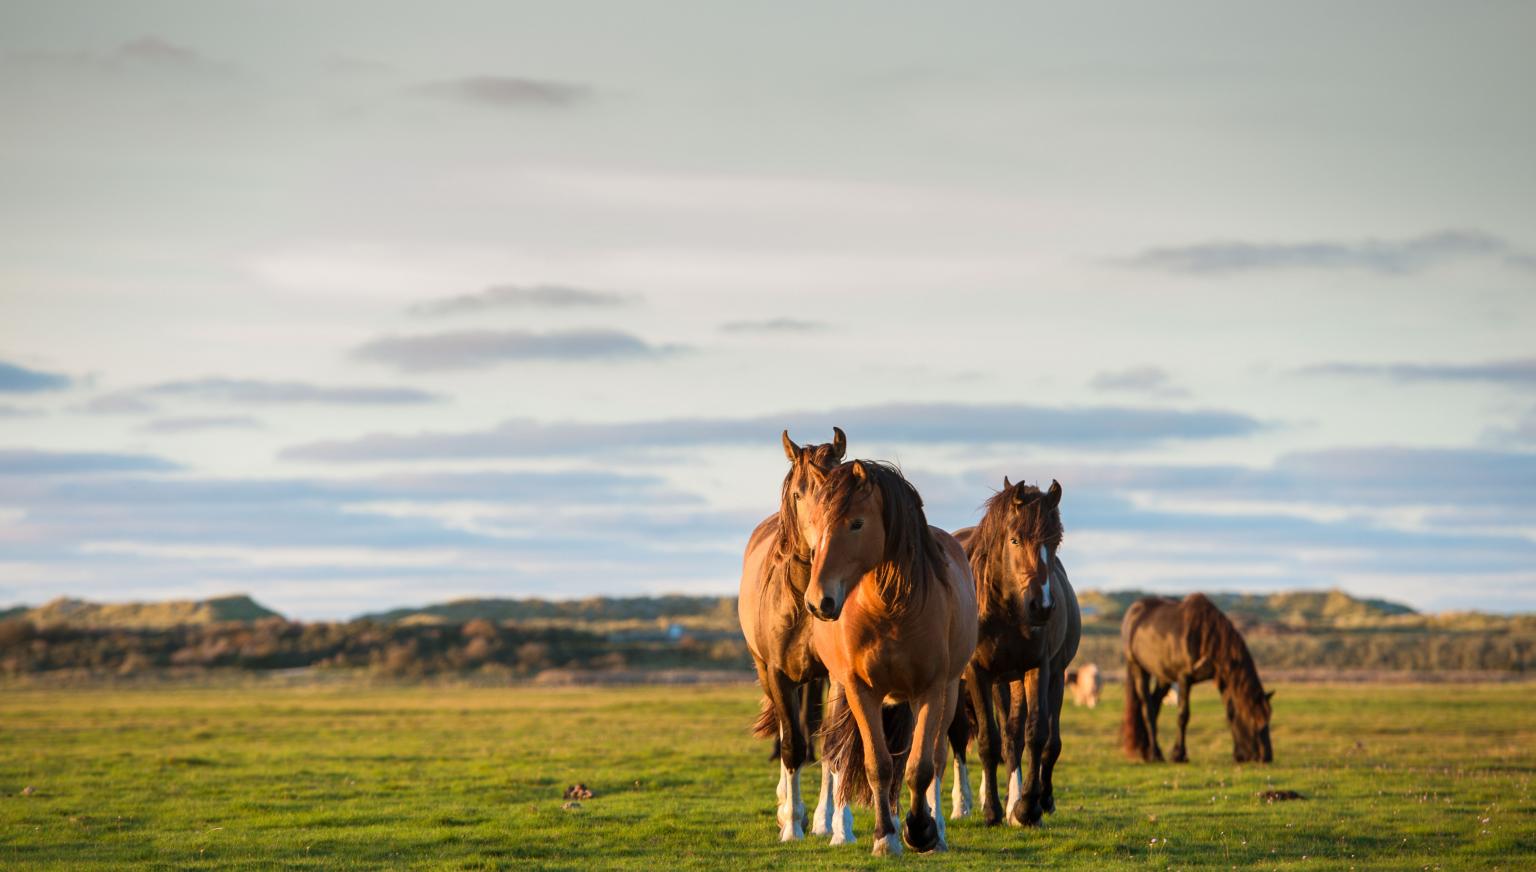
(1395, 777)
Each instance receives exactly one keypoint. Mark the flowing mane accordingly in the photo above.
(1213, 639)
(992, 533)
(912, 555)
(822, 457)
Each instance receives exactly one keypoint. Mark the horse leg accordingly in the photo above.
(988, 746)
(1151, 701)
(1155, 697)
(866, 705)
(1056, 697)
(792, 744)
(1013, 747)
(821, 818)
(961, 799)
(1180, 752)
(1037, 721)
(920, 830)
(833, 816)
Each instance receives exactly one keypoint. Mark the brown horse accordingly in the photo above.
(896, 610)
(1030, 630)
(1171, 643)
(771, 605)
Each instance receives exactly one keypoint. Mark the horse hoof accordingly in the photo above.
(791, 833)
(1048, 804)
(1023, 815)
(920, 833)
(959, 814)
(887, 846)
(842, 839)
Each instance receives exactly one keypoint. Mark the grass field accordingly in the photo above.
(1394, 777)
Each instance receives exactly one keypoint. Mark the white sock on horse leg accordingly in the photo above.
(821, 819)
(1015, 789)
(791, 810)
(842, 817)
(960, 795)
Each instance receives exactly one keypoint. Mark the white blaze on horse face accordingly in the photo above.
(791, 809)
(1045, 561)
(960, 794)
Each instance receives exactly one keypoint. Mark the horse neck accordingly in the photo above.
(991, 595)
(1239, 681)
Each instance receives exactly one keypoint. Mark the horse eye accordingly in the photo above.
(1014, 541)
(797, 496)
(858, 524)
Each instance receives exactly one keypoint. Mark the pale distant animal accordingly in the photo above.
(1085, 685)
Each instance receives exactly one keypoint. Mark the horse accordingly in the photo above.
(1085, 684)
(1169, 644)
(895, 611)
(770, 604)
(1030, 630)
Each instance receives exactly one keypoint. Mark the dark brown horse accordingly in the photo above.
(771, 606)
(1030, 627)
(896, 611)
(1172, 643)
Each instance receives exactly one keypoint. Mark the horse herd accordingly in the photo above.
(930, 638)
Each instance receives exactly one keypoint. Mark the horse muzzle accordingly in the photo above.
(826, 610)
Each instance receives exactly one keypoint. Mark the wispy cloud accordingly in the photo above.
(240, 391)
(475, 349)
(915, 422)
(145, 54)
(18, 412)
(26, 461)
(20, 380)
(1521, 371)
(1384, 256)
(193, 423)
(773, 325)
(1151, 380)
(520, 297)
(508, 92)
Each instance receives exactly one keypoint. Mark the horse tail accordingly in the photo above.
(766, 726)
(1133, 729)
(842, 748)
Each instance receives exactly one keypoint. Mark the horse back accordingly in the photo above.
(1154, 635)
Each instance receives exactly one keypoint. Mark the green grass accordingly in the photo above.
(1395, 777)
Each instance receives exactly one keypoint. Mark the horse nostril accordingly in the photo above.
(827, 605)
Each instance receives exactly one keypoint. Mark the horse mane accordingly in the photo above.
(789, 544)
(987, 555)
(912, 554)
(1213, 638)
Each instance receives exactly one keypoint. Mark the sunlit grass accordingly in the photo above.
(1395, 777)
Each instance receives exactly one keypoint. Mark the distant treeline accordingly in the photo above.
(517, 639)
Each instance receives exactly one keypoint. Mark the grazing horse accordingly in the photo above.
(896, 622)
(1085, 684)
(771, 606)
(1169, 643)
(1030, 630)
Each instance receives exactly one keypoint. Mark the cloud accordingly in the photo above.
(1521, 432)
(18, 379)
(901, 422)
(1141, 379)
(508, 92)
(1521, 372)
(517, 296)
(145, 54)
(143, 401)
(474, 349)
(773, 325)
(26, 461)
(18, 412)
(1387, 257)
(260, 392)
(205, 422)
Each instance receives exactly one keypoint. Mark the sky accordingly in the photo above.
(359, 305)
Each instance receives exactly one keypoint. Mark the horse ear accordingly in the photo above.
(1269, 696)
(859, 472)
(1007, 485)
(839, 442)
(1053, 496)
(791, 450)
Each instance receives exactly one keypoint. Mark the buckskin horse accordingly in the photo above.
(771, 606)
(896, 623)
(1171, 643)
(1030, 628)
